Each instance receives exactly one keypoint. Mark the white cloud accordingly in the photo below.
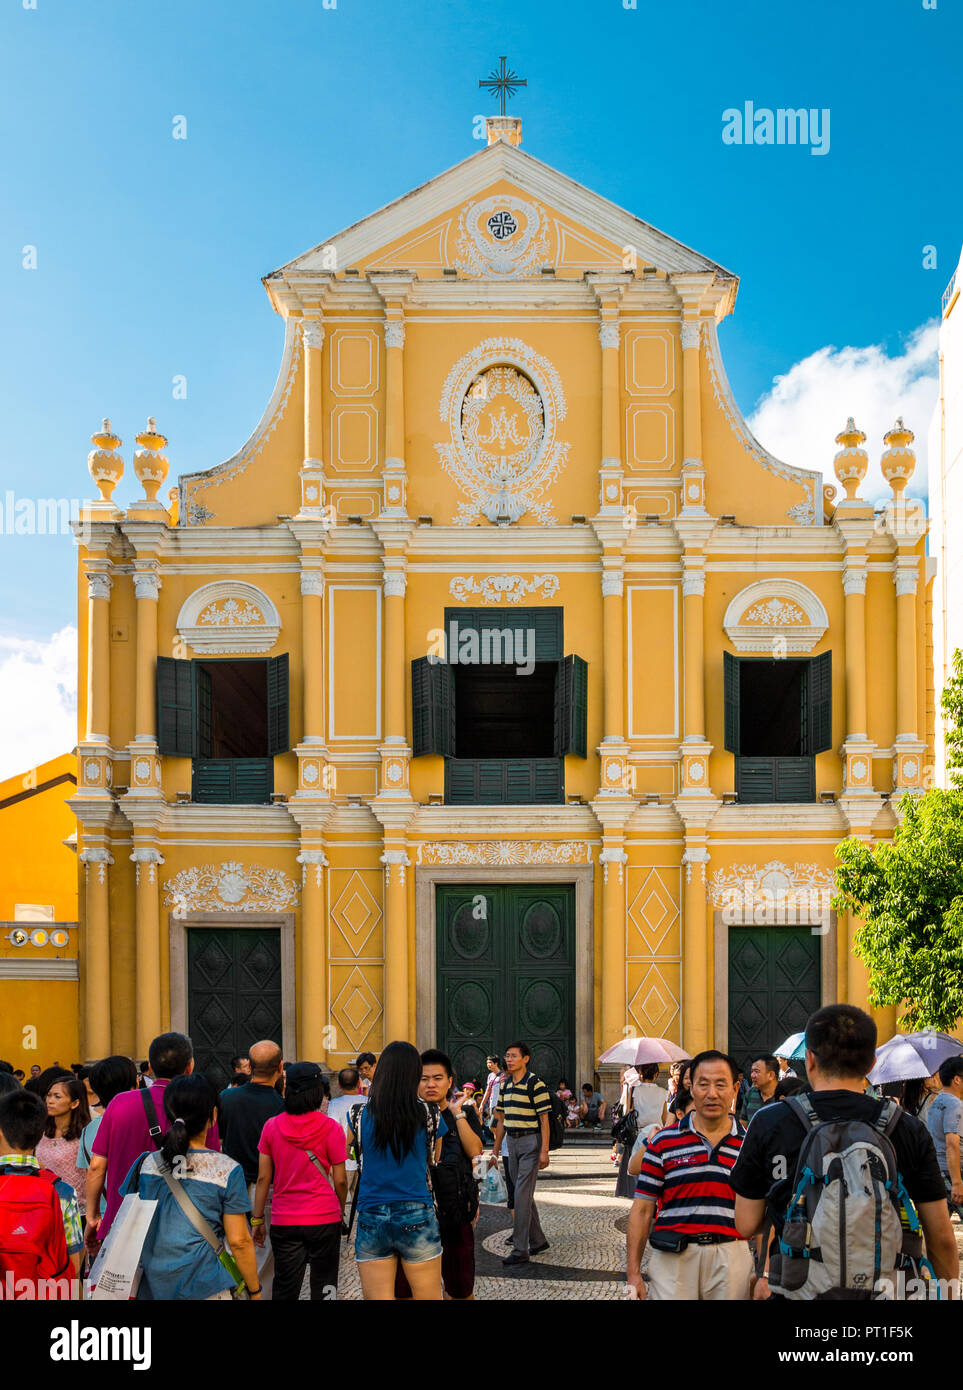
(799, 418)
(38, 700)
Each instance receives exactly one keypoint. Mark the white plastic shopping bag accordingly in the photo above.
(492, 1189)
(116, 1271)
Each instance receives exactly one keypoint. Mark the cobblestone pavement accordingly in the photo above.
(585, 1226)
(578, 1214)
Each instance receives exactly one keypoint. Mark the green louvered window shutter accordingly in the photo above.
(732, 702)
(204, 712)
(545, 623)
(278, 705)
(821, 703)
(432, 707)
(175, 707)
(571, 707)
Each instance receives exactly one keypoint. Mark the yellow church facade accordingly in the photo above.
(502, 684)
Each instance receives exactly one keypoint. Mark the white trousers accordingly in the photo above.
(701, 1272)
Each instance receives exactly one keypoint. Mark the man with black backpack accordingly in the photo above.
(452, 1179)
(849, 1185)
(523, 1117)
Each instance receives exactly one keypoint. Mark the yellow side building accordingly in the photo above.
(502, 684)
(39, 936)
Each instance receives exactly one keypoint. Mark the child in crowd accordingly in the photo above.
(31, 1193)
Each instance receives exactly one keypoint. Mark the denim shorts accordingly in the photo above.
(406, 1229)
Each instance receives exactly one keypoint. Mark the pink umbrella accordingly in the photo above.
(638, 1052)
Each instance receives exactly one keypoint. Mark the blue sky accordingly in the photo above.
(301, 119)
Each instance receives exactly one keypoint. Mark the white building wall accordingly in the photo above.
(946, 499)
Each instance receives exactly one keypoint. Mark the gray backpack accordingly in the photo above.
(843, 1235)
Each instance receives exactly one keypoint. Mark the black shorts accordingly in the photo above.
(457, 1263)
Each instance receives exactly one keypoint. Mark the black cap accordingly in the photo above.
(301, 1076)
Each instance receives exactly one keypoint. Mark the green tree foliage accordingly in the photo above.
(952, 702)
(909, 894)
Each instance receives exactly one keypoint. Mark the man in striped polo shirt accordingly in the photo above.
(521, 1114)
(696, 1251)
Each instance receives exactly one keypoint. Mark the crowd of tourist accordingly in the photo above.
(740, 1188)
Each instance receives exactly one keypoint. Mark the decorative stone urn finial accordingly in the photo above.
(105, 465)
(852, 461)
(150, 465)
(898, 461)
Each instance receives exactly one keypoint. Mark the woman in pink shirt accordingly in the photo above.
(303, 1153)
(68, 1114)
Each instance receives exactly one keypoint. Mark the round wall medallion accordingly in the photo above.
(142, 769)
(393, 773)
(309, 773)
(697, 770)
(231, 887)
(910, 767)
(860, 769)
(612, 772)
(693, 492)
(91, 770)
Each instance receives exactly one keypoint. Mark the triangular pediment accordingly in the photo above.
(431, 228)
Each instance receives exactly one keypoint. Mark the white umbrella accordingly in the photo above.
(911, 1056)
(794, 1047)
(640, 1052)
(898, 1060)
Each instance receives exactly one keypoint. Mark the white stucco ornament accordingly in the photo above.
(502, 403)
(771, 608)
(232, 885)
(229, 616)
(492, 588)
(501, 237)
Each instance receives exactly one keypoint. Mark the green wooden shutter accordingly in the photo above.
(432, 707)
(821, 703)
(253, 781)
(732, 703)
(571, 707)
(213, 781)
(547, 624)
(278, 705)
(795, 779)
(756, 779)
(548, 781)
(175, 707)
(420, 706)
(204, 713)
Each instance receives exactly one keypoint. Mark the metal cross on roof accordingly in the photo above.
(503, 81)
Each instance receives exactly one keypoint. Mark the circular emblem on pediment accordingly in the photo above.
(501, 237)
(502, 225)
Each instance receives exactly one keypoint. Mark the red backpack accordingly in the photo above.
(33, 1244)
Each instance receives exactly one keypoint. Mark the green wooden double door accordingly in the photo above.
(234, 994)
(774, 985)
(506, 972)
